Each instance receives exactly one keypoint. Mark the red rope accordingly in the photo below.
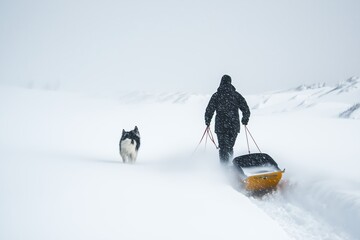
(212, 137)
(208, 135)
(206, 129)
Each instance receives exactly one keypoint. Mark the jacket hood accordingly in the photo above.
(225, 84)
(226, 79)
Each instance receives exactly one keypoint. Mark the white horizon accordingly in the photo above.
(171, 46)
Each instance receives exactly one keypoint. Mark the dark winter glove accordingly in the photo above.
(244, 121)
(207, 121)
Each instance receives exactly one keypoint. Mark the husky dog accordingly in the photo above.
(129, 145)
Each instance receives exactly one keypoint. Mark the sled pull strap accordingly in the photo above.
(212, 137)
(209, 135)
(247, 130)
(206, 129)
(247, 140)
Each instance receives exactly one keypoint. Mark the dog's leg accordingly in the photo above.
(123, 157)
(134, 157)
(131, 159)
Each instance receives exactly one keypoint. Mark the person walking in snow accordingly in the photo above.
(227, 102)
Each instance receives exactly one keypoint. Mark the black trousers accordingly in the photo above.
(226, 143)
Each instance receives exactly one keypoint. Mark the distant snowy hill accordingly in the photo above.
(342, 100)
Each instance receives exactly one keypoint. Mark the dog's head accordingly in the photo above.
(131, 134)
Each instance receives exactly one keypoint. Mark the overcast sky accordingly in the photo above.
(184, 45)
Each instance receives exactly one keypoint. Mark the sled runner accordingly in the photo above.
(257, 171)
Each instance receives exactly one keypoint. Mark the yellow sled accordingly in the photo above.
(265, 181)
(258, 171)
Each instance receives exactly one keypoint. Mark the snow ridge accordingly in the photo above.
(352, 112)
(312, 86)
(141, 97)
(348, 85)
(340, 98)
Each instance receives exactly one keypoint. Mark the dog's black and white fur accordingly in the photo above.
(129, 145)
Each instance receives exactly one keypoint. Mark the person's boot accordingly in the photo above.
(224, 156)
(231, 154)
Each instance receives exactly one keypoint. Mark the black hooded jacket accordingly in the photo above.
(227, 102)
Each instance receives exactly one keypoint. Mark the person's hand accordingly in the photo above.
(244, 121)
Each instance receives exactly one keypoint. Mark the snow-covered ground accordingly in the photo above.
(61, 176)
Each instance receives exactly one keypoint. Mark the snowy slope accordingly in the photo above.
(333, 100)
(61, 176)
(313, 131)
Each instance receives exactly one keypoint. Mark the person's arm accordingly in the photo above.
(210, 109)
(244, 109)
